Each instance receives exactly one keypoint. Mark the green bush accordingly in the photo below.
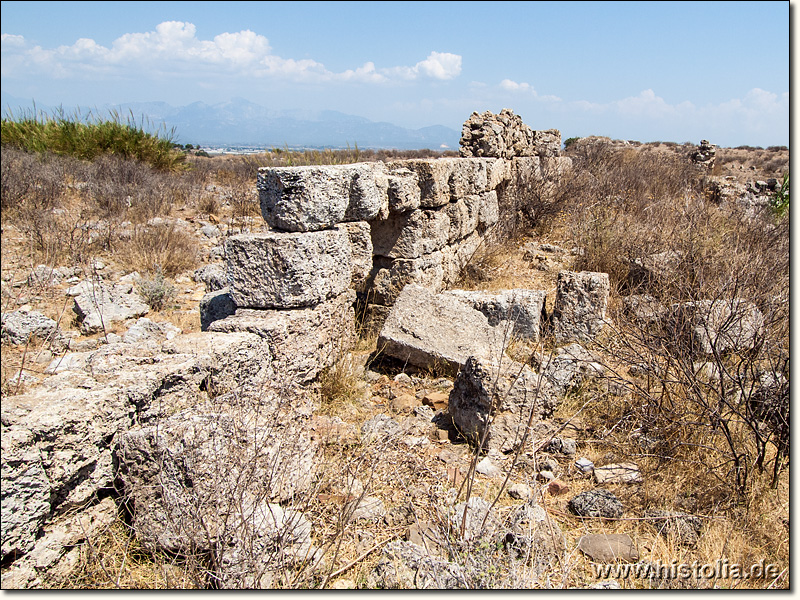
(780, 201)
(89, 137)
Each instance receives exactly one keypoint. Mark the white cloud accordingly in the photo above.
(174, 48)
(509, 85)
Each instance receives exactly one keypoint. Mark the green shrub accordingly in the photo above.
(156, 291)
(780, 201)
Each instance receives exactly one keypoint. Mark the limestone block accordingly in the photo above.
(722, 325)
(488, 211)
(214, 306)
(410, 234)
(467, 177)
(523, 308)
(498, 172)
(463, 215)
(457, 256)
(288, 270)
(404, 190)
(428, 329)
(580, 305)
(360, 237)
(510, 391)
(392, 275)
(312, 198)
(97, 304)
(302, 341)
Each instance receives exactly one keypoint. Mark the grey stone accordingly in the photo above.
(580, 305)
(404, 191)
(618, 473)
(144, 329)
(570, 367)
(653, 271)
(609, 547)
(215, 306)
(481, 522)
(404, 565)
(427, 329)
(535, 538)
(392, 276)
(524, 308)
(488, 468)
(380, 428)
(644, 308)
(368, 508)
(301, 341)
(509, 391)
(19, 326)
(213, 276)
(596, 503)
(723, 326)
(360, 236)
(682, 527)
(584, 465)
(288, 270)
(410, 234)
(98, 304)
(318, 197)
(520, 491)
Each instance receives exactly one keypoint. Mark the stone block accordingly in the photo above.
(404, 190)
(288, 270)
(410, 234)
(523, 308)
(580, 305)
(391, 276)
(360, 237)
(429, 330)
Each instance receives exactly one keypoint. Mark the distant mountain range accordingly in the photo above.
(244, 123)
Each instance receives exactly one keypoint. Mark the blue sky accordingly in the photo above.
(671, 71)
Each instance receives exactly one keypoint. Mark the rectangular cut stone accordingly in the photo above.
(288, 270)
(404, 191)
(434, 179)
(303, 341)
(410, 234)
(456, 256)
(311, 198)
(428, 329)
(463, 215)
(489, 211)
(361, 253)
(392, 275)
(523, 308)
(580, 305)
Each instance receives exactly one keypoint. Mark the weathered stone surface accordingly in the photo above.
(404, 565)
(653, 271)
(685, 529)
(146, 330)
(19, 326)
(98, 304)
(580, 305)
(510, 391)
(498, 172)
(596, 503)
(722, 325)
(192, 478)
(360, 236)
(463, 215)
(213, 276)
(618, 473)
(391, 276)
(520, 491)
(319, 197)
(524, 308)
(609, 547)
(426, 330)
(457, 256)
(302, 341)
(643, 308)
(288, 270)
(444, 179)
(481, 522)
(404, 190)
(571, 366)
(535, 537)
(410, 234)
(498, 136)
(488, 211)
(214, 306)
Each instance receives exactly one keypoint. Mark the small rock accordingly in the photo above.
(546, 475)
(520, 491)
(404, 403)
(584, 466)
(596, 503)
(436, 400)
(618, 473)
(609, 547)
(403, 379)
(557, 488)
(683, 527)
(369, 509)
(487, 467)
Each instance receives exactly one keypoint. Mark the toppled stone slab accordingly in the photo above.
(609, 547)
(288, 270)
(509, 391)
(146, 330)
(98, 304)
(302, 341)
(392, 276)
(427, 329)
(524, 308)
(580, 306)
(653, 271)
(707, 326)
(312, 198)
(570, 367)
(618, 473)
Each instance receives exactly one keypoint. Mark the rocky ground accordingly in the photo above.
(393, 493)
